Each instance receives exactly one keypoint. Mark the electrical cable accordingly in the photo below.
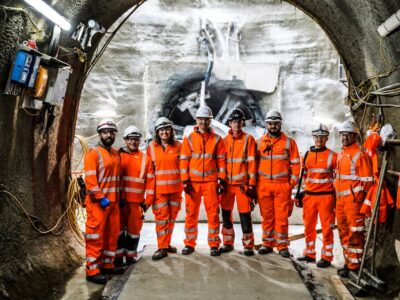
(26, 13)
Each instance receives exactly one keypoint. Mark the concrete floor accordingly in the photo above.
(200, 276)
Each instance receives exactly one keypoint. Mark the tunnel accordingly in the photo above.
(36, 148)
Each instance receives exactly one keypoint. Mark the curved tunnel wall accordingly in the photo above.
(35, 167)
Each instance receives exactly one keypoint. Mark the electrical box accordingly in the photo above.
(21, 67)
(33, 71)
(57, 85)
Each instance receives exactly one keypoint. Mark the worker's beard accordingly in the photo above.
(108, 141)
(275, 134)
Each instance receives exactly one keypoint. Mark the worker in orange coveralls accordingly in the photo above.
(354, 178)
(164, 152)
(241, 178)
(203, 173)
(102, 176)
(319, 199)
(278, 173)
(135, 167)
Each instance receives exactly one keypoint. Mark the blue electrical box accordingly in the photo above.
(21, 68)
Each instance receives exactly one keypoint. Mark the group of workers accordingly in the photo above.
(123, 184)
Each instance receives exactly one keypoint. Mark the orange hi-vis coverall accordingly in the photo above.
(319, 200)
(354, 178)
(135, 167)
(168, 189)
(102, 177)
(278, 172)
(202, 161)
(241, 172)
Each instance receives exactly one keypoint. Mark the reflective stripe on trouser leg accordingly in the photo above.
(211, 204)
(228, 236)
(247, 229)
(173, 213)
(310, 218)
(282, 194)
(95, 224)
(343, 228)
(134, 226)
(266, 204)
(327, 218)
(248, 240)
(161, 214)
(121, 244)
(356, 234)
(111, 233)
(192, 206)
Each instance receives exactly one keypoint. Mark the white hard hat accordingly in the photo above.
(348, 126)
(204, 112)
(107, 124)
(132, 131)
(320, 130)
(162, 123)
(273, 116)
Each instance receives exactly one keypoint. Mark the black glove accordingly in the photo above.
(187, 187)
(221, 186)
(299, 199)
(251, 192)
(143, 206)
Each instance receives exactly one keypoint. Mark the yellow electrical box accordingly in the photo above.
(41, 82)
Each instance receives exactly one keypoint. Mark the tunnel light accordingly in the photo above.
(390, 24)
(50, 13)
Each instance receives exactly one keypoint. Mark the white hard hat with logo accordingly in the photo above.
(348, 126)
(162, 122)
(273, 116)
(320, 130)
(132, 131)
(107, 124)
(204, 112)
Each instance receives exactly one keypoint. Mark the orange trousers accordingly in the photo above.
(351, 232)
(165, 209)
(243, 206)
(131, 222)
(322, 205)
(102, 228)
(274, 200)
(211, 203)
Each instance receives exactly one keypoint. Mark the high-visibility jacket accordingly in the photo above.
(384, 201)
(371, 148)
(319, 170)
(135, 168)
(203, 157)
(354, 175)
(241, 159)
(279, 159)
(102, 173)
(165, 167)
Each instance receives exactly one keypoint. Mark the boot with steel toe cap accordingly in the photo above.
(160, 254)
(214, 251)
(187, 250)
(97, 279)
(284, 253)
(248, 252)
(323, 263)
(172, 249)
(343, 272)
(306, 259)
(226, 248)
(264, 250)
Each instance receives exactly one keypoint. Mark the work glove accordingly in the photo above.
(187, 187)
(122, 202)
(298, 201)
(104, 202)
(143, 206)
(221, 186)
(251, 192)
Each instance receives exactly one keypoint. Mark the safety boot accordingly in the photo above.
(265, 250)
(214, 251)
(160, 254)
(131, 260)
(306, 259)
(226, 248)
(284, 253)
(187, 250)
(115, 271)
(97, 279)
(343, 272)
(248, 252)
(323, 263)
(172, 249)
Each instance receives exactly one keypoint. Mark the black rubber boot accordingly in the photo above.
(248, 252)
(323, 263)
(264, 250)
(306, 259)
(226, 248)
(284, 253)
(160, 254)
(214, 251)
(343, 272)
(187, 250)
(97, 279)
(172, 249)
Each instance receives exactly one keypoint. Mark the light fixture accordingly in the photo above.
(390, 24)
(50, 13)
